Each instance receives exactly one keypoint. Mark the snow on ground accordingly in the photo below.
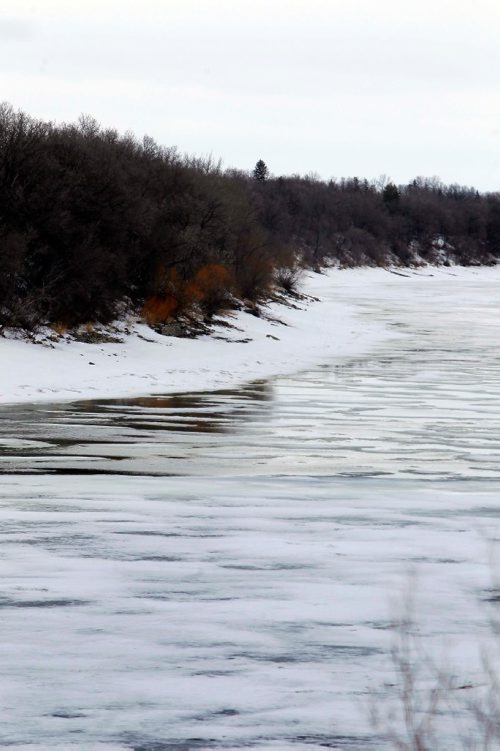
(257, 348)
(148, 362)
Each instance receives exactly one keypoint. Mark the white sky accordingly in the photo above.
(338, 87)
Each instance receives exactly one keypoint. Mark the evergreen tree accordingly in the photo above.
(260, 171)
(390, 194)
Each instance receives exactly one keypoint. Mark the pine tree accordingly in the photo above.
(260, 171)
(390, 195)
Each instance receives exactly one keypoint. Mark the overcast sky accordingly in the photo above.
(337, 87)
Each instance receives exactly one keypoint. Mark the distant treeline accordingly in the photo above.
(92, 221)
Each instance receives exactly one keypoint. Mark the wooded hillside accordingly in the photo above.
(91, 220)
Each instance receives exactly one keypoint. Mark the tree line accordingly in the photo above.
(92, 221)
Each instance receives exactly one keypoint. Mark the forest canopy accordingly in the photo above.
(91, 220)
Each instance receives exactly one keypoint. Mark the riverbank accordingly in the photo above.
(328, 325)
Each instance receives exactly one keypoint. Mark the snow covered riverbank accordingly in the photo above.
(285, 341)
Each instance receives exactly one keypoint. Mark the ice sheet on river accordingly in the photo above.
(222, 570)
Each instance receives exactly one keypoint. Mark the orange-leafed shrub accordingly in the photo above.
(211, 288)
(159, 309)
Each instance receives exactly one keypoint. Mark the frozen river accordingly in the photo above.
(222, 570)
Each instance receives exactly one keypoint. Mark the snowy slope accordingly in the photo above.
(147, 363)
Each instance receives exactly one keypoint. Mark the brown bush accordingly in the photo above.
(60, 328)
(210, 288)
(158, 310)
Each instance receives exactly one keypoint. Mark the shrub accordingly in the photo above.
(287, 278)
(60, 328)
(157, 310)
(210, 288)
(255, 279)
